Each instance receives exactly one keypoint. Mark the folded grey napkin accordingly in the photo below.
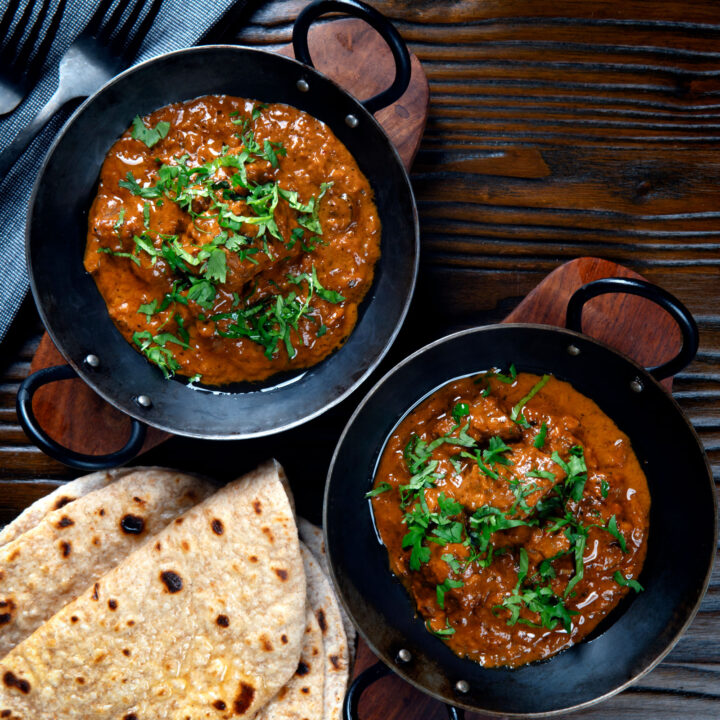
(180, 23)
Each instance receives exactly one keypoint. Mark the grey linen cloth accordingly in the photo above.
(180, 23)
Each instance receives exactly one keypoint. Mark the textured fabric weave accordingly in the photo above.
(180, 23)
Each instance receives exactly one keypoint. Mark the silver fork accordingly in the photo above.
(106, 45)
(18, 70)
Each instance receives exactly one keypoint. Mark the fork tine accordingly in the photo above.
(111, 23)
(94, 22)
(44, 48)
(7, 18)
(134, 45)
(11, 47)
(122, 35)
(32, 36)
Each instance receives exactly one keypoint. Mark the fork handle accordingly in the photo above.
(17, 147)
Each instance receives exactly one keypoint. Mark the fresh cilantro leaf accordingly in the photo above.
(620, 579)
(460, 410)
(120, 220)
(612, 528)
(131, 184)
(539, 441)
(129, 256)
(447, 630)
(148, 309)
(515, 413)
(381, 488)
(149, 136)
(202, 292)
(441, 589)
(216, 268)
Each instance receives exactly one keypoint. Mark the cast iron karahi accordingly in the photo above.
(74, 312)
(683, 523)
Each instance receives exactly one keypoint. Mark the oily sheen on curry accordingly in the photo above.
(515, 513)
(232, 240)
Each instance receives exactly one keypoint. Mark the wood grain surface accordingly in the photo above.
(556, 130)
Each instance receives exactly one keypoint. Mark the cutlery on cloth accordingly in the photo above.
(107, 44)
(175, 27)
(19, 65)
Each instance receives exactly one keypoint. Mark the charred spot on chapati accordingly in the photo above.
(132, 524)
(62, 502)
(11, 680)
(222, 621)
(257, 506)
(282, 574)
(219, 705)
(112, 604)
(64, 522)
(65, 548)
(302, 669)
(217, 526)
(244, 698)
(172, 581)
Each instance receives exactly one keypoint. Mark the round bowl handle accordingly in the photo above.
(368, 677)
(359, 685)
(372, 17)
(30, 425)
(681, 315)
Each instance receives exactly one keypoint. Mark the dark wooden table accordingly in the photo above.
(556, 130)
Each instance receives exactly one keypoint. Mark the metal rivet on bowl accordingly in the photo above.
(351, 121)
(636, 385)
(404, 656)
(92, 360)
(302, 85)
(143, 401)
(462, 686)
(573, 350)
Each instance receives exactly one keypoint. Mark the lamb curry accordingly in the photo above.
(231, 240)
(515, 513)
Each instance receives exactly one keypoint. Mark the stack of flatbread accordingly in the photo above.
(148, 594)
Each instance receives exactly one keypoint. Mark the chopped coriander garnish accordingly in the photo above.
(131, 184)
(149, 309)
(441, 589)
(381, 488)
(620, 579)
(507, 379)
(539, 441)
(216, 268)
(120, 219)
(130, 256)
(271, 150)
(447, 630)
(515, 413)
(460, 410)
(612, 528)
(149, 136)
(604, 488)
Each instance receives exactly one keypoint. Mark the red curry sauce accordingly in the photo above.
(231, 239)
(488, 526)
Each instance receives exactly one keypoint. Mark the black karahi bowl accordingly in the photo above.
(74, 312)
(683, 522)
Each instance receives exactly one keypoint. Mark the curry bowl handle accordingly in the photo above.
(65, 455)
(368, 677)
(668, 302)
(372, 17)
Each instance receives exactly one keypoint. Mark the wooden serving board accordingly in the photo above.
(356, 57)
